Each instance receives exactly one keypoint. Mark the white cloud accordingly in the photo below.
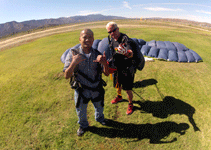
(202, 11)
(199, 18)
(126, 5)
(139, 5)
(190, 4)
(161, 9)
(89, 12)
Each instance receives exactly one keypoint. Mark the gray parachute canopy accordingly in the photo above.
(162, 50)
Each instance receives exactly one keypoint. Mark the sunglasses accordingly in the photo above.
(112, 31)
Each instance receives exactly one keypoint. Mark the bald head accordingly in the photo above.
(86, 39)
(86, 31)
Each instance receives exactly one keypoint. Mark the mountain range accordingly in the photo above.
(14, 27)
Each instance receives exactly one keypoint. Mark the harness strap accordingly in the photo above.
(86, 100)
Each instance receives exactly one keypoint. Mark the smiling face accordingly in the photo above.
(113, 31)
(86, 39)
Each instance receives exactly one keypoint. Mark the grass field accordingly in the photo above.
(38, 112)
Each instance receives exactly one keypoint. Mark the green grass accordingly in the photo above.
(38, 112)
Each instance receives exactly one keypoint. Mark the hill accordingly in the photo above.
(13, 27)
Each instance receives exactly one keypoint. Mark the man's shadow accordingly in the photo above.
(167, 107)
(156, 133)
(144, 83)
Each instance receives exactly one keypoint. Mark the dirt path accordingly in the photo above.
(16, 41)
(11, 42)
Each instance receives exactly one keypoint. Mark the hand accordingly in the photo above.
(101, 59)
(121, 49)
(77, 58)
(129, 53)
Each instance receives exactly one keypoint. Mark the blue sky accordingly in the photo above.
(22, 10)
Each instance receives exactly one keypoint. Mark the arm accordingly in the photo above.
(106, 69)
(128, 42)
(125, 50)
(102, 60)
(129, 53)
(69, 71)
(76, 59)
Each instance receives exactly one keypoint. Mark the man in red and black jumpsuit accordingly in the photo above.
(124, 62)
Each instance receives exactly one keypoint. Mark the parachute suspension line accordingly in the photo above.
(138, 95)
(161, 95)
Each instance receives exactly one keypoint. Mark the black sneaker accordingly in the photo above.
(80, 131)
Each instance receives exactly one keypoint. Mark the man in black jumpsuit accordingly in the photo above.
(124, 62)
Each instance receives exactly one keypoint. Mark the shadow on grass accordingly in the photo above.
(167, 107)
(144, 83)
(154, 132)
